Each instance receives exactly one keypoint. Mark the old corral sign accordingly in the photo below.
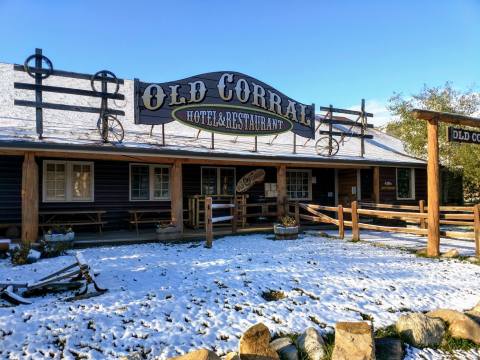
(464, 136)
(224, 102)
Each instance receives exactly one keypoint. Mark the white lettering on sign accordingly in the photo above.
(228, 87)
(465, 136)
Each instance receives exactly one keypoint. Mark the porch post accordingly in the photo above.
(281, 189)
(177, 195)
(29, 199)
(376, 184)
(433, 182)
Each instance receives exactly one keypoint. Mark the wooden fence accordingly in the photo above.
(468, 216)
(210, 220)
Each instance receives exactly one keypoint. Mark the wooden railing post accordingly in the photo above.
(177, 195)
(281, 190)
(433, 189)
(297, 213)
(208, 222)
(355, 228)
(476, 224)
(421, 207)
(235, 215)
(341, 224)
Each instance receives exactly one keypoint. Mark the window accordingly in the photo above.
(299, 184)
(218, 181)
(149, 182)
(405, 184)
(67, 181)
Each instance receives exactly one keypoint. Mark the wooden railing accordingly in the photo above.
(451, 215)
(210, 220)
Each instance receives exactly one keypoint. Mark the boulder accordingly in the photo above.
(202, 354)
(420, 330)
(255, 344)
(476, 308)
(311, 342)
(473, 259)
(353, 341)
(388, 349)
(461, 326)
(285, 348)
(232, 356)
(421, 251)
(452, 253)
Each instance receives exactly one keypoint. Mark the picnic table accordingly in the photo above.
(147, 216)
(72, 218)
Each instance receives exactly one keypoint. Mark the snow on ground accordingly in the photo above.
(166, 300)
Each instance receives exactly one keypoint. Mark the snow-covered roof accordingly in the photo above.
(68, 130)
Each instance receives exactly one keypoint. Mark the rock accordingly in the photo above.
(453, 253)
(388, 349)
(202, 354)
(33, 256)
(420, 330)
(311, 342)
(476, 308)
(285, 348)
(232, 356)
(461, 326)
(353, 341)
(280, 343)
(421, 252)
(255, 344)
(132, 356)
(473, 259)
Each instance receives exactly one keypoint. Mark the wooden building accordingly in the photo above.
(71, 174)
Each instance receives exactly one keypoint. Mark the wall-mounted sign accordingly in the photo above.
(224, 102)
(463, 136)
(250, 179)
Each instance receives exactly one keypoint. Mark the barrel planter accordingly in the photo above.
(285, 232)
(168, 233)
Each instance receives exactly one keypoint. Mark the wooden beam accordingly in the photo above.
(281, 189)
(29, 199)
(476, 212)
(433, 185)
(449, 118)
(177, 195)
(376, 184)
(355, 228)
(208, 222)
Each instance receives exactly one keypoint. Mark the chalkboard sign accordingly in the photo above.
(224, 102)
(463, 136)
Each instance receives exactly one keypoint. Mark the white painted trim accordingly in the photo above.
(309, 171)
(151, 168)
(412, 183)
(68, 181)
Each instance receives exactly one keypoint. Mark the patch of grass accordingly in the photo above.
(387, 331)
(451, 345)
(273, 295)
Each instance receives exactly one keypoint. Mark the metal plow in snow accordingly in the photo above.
(74, 276)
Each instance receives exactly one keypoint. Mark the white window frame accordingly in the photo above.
(309, 172)
(68, 181)
(218, 177)
(151, 182)
(412, 183)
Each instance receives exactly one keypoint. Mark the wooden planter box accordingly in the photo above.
(285, 232)
(169, 233)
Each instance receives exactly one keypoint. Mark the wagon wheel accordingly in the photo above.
(110, 129)
(324, 148)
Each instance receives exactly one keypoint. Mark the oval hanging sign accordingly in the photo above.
(232, 120)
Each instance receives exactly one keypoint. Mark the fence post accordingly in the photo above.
(297, 213)
(208, 222)
(235, 215)
(421, 207)
(341, 224)
(476, 224)
(355, 228)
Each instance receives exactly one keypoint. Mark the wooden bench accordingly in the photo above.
(144, 216)
(57, 218)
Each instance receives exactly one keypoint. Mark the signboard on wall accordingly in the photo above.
(463, 136)
(223, 102)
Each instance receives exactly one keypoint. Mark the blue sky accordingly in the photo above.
(325, 52)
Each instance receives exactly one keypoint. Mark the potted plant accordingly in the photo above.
(287, 229)
(59, 234)
(167, 232)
